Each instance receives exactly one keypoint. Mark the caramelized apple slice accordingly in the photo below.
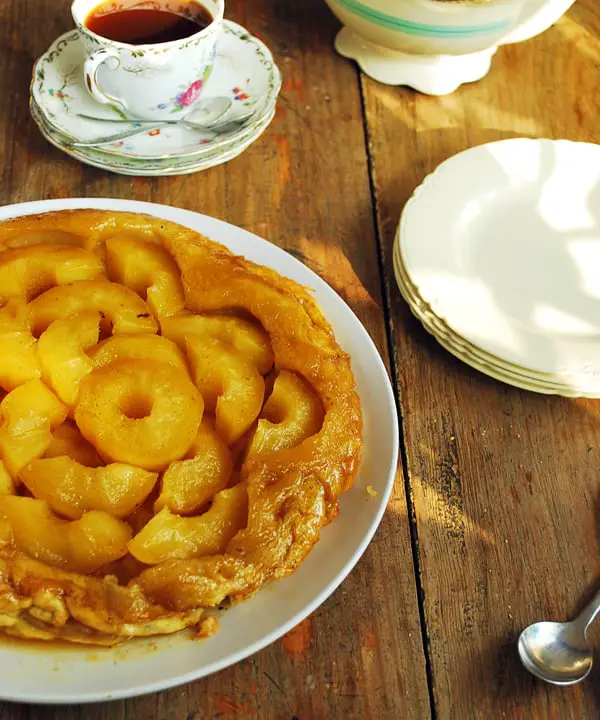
(19, 362)
(247, 338)
(140, 412)
(67, 440)
(188, 485)
(61, 349)
(83, 545)
(291, 414)
(138, 347)
(71, 489)
(29, 414)
(28, 271)
(229, 384)
(126, 312)
(7, 486)
(149, 270)
(169, 536)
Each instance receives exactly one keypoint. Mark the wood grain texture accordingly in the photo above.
(504, 483)
(305, 186)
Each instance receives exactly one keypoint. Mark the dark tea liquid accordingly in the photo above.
(144, 25)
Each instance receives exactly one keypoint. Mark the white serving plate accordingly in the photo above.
(80, 675)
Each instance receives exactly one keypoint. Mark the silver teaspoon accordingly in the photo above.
(205, 113)
(558, 652)
(220, 126)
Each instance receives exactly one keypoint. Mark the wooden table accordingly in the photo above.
(495, 518)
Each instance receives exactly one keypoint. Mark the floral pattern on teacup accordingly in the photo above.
(187, 97)
(190, 95)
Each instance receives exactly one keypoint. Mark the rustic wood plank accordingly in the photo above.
(304, 185)
(504, 483)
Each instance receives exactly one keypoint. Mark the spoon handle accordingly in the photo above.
(218, 127)
(120, 121)
(589, 613)
(124, 135)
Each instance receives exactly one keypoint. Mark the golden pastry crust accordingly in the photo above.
(289, 492)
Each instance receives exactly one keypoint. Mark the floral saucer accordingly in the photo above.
(244, 70)
(143, 167)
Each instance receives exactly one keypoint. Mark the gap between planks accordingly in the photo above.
(389, 336)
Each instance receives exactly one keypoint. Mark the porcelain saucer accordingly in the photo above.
(244, 70)
(124, 165)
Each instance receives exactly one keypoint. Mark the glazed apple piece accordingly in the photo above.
(149, 270)
(70, 489)
(139, 412)
(245, 337)
(26, 272)
(291, 414)
(28, 415)
(83, 545)
(229, 383)
(19, 362)
(62, 352)
(168, 536)
(124, 309)
(138, 347)
(188, 485)
(7, 486)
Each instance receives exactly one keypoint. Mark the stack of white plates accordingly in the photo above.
(498, 255)
(244, 72)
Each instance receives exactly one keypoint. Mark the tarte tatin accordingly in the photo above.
(177, 425)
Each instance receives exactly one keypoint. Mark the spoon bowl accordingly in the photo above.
(559, 652)
(556, 652)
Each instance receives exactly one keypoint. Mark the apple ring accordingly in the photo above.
(140, 412)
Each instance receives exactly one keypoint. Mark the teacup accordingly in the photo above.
(154, 81)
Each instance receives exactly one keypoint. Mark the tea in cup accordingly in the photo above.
(149, 59)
